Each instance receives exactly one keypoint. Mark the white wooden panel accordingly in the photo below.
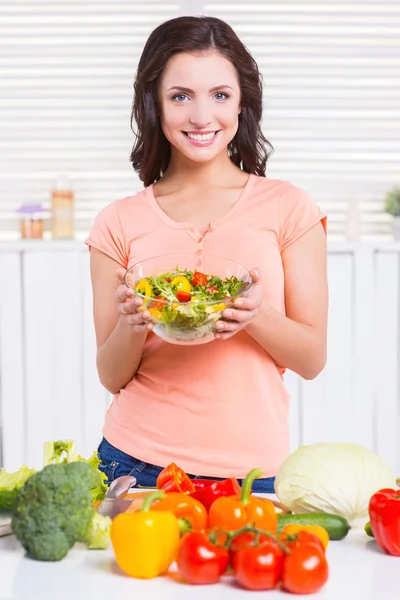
(12, 408)
(66, 344)
(326, 399)
(292, 384)
(94, 395)
(387, 358)
(360, 411)
(39, 311)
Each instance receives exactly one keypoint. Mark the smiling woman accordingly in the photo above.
(202, 157)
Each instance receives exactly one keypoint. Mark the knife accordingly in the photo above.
(113, 504)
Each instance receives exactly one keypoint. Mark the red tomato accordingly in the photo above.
(305, 570)
(245, 540)
(183, 296)
(212, 289)
(199, 560)
(199, 278)
(259, 567)
(301, 538)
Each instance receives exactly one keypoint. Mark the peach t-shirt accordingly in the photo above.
(217, 409)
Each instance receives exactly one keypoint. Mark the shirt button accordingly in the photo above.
(200, 251)
(199, 240)
(199, 263)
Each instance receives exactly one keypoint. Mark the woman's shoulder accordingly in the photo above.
(126, 203)
(280, 188)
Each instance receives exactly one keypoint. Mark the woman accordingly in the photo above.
(218, 409)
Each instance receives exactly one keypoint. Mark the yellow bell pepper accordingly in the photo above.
(145, 542)
(181, 283)
(215, 308)
(143, 287)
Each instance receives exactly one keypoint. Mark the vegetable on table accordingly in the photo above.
(384, 512)
(183, 506)
(145, 542)
(199, 560)
(207, 494)
(10, 483)
(258, 564)
(234, 512)
(305, 569)
(53, 510)
(174, 479)
(291, 531)
(337, 527)
(332, 478)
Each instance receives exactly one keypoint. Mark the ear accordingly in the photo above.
(239, 110)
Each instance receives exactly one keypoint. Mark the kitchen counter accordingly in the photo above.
(358, 570)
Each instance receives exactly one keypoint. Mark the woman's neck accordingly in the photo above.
(183, 173)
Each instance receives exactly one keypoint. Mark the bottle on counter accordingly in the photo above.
(62, 208)
(31, 221)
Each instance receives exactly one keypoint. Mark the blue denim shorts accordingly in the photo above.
(115, 463)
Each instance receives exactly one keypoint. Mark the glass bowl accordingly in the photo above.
(183, 305)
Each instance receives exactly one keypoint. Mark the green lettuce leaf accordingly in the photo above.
(10, 483)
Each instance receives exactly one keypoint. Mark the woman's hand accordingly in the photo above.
(244, 311)
(129, 306)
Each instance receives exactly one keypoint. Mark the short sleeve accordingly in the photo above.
(106, 235)
(297, 214)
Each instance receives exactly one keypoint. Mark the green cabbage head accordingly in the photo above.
(332, 478)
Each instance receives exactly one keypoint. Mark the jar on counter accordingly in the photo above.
(31, 223)
(62, 209)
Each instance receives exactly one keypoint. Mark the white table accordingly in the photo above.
(358, 571)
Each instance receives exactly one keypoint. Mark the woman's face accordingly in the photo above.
(199, 100)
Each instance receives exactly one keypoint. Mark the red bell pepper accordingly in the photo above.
(199, 484)
(174, 479)
(384, 513)
(209, 493)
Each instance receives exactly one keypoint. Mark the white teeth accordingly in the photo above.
(202, 138)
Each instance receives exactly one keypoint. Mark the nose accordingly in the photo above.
(200, 116)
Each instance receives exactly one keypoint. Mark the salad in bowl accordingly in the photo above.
(186, 294)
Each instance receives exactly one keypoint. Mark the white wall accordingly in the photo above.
(48, 381)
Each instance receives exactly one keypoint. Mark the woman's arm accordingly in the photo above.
(296, 341)
(120, 332)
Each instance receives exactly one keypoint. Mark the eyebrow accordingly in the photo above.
(189, 91)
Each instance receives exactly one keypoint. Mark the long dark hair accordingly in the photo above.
(151, 152)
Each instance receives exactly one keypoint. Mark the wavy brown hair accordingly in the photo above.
(151, 152)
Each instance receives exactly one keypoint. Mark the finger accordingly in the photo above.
(123, 293)
(255, 275)
(224, 336)
(120, 274)
(240, 316)
(131, 306)
(138, 318)
(227, 326)
(250, 302)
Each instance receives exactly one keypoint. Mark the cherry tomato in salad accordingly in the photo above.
(259, 567)
(305, 569)
(199, 278)
(183, 296)
(199, 560)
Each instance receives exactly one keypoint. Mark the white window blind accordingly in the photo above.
(331, 100)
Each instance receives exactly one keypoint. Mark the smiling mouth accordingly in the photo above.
(201, 137)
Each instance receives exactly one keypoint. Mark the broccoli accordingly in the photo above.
(54, 509)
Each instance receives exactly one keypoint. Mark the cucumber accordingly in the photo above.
(368, 529)
(337, 527)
